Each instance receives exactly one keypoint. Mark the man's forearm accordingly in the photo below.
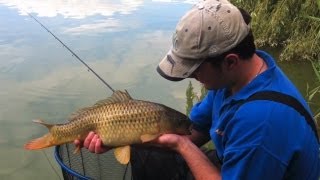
(199, 164)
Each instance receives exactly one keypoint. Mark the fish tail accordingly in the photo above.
(45, 141)
(40, 143)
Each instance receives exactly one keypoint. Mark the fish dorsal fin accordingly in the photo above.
(74, 115)
(122, 154)
(117, 96)
(49, 126)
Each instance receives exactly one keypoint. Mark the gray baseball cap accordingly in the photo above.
(208, 29)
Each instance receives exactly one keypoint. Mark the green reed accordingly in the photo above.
(281, 24)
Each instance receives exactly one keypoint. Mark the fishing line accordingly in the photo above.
(74, 54)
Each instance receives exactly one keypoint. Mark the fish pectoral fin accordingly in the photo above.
(148, 137)
(122, 154)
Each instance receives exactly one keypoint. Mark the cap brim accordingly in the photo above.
(168, 77)
(174, 68)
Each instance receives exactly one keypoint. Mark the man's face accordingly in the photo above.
(210, 76)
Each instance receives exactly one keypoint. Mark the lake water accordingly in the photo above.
(123, 41)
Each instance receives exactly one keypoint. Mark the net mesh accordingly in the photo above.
(151, 163)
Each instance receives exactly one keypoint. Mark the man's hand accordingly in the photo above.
(93, 143)
(171, 141)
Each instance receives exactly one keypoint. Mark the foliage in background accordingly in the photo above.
(190, 97)
(193, 97)
(316, 68)
(314, 92)
(282, 24)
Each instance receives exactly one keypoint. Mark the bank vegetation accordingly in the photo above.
(290, 26)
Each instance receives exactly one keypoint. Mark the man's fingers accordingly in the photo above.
(98, 147)
(92, 145)
(76, 142)
(88, 140)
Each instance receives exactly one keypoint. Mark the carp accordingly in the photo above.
(119, 120)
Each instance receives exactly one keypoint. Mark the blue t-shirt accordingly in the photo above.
(260, 139)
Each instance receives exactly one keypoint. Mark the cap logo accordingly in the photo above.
(171, 61)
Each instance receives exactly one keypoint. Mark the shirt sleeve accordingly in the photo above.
(201, 113)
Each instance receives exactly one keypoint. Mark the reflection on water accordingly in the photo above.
(73, 9)
(121, 40)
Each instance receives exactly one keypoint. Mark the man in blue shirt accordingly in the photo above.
(260, 139)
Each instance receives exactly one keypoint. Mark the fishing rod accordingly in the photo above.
(74, 54)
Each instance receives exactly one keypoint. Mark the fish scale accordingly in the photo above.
(113, 133)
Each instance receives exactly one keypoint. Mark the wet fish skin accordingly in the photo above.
(119, 121)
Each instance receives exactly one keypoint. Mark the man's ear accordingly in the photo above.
(231, 60)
